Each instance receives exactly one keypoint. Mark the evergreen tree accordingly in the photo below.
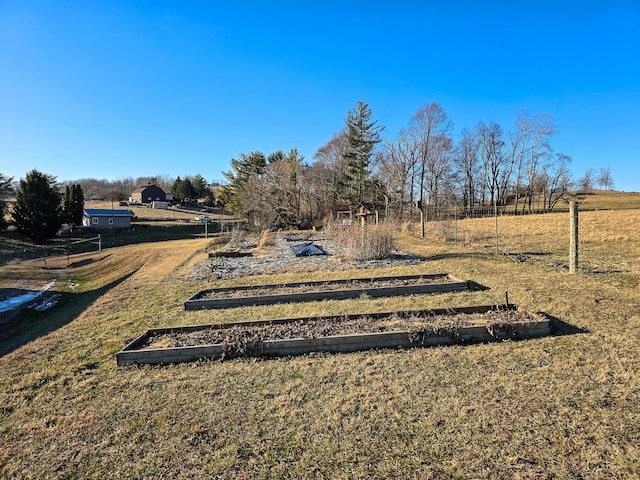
(5, 190)
(363, 134)
(37, 213)
(67, 213)
(188, 190)
(77, 204)
(72, 205)
(244, 169)
(200, 187)
(177, 190)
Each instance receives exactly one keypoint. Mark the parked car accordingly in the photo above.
(203, 218)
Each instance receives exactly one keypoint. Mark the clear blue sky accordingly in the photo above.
(115, 89)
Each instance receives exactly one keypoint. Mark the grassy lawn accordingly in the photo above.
(566, 406)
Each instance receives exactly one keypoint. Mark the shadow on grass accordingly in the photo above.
(561, 328)
(446, 256)
(27, 325)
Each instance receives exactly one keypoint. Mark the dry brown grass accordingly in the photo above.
(375, 242)
(267, 239)
(566, 406)
(606, 199)
(144, 213)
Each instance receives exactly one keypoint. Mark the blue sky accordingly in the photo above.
(131, 88)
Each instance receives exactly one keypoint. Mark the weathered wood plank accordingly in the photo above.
(347, 294)
(248, 288)
(343, 343)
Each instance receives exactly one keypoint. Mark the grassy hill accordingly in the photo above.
(566, 406)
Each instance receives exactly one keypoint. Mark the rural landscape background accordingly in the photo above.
(562, 406)
(494, 144)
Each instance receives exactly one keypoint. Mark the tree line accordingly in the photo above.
(422, 168)
(40, 208)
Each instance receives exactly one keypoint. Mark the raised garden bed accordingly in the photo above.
(229, 254)
(343, 333)
(230, 297)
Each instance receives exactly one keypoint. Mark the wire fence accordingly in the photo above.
(83, 241)
(608, 240)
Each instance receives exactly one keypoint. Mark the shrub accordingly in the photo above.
(376, 244)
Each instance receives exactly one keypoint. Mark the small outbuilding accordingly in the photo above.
(104, 218)
(148, 194)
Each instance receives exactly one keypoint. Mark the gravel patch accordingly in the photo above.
(279, 258)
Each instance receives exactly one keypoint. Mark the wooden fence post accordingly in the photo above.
(573, 246)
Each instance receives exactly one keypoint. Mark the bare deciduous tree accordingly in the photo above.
(466, 163)
(558, 180)
(430, 128)
(397, 170)
(331, 158)
(533, 134)
(588, 181)
(493, 158)
(605, 179)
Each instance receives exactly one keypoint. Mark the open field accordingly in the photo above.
(565, 406)
(144, 213)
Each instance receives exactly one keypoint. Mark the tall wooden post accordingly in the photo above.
(363, 233)
(495, 213)
(573, 246)
(421, 223)
(455, 220)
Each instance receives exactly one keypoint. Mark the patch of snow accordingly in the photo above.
(48, 303)
(14, 302)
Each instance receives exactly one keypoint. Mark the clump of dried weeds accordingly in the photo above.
(364, 243)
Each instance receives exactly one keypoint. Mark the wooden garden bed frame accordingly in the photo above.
(449, 284)
(132, 354)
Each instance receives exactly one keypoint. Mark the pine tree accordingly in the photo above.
(5, 190)
(177, 190)
(66, 206)
(77, 204)
(244, 169)
(72, 205)
(363, 134)
(200, 187)
(37, 212)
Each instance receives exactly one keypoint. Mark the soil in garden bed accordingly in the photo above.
(360, 284)
(245, 339)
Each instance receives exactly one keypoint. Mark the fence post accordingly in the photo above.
(573, 241)
(99, 243)
(421, 223)
(495, 213)
(455, 220)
